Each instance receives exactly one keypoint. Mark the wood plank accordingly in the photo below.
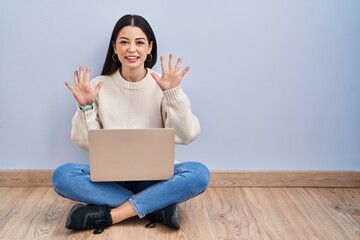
(218, 178)
(269, 218)
(11, 202)
(293, 215)
(249, 224)
(226, 215)
(351, 200)
(3, 190)
(195, 221)
(219, 213)
(18, 225)
(318, 215)
(39, 216)
(60, 232)
(50, 211)
(337, 209)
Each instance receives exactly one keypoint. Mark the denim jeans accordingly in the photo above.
(72, 180)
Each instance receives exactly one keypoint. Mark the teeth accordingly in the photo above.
(132, 57)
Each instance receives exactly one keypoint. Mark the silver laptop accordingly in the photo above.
(131, 154)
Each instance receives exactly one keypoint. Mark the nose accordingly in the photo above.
(132, 48)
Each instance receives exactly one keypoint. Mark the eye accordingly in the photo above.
(123, 42)
(140, 43)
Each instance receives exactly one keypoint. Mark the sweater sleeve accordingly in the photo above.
(177, 114)
(82, 122)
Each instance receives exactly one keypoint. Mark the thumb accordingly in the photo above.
(68, 86)
(158, 81)
(98, 87)
(156, 77)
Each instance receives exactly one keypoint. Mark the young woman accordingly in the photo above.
(129, 94)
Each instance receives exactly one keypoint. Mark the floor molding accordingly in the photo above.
(351, 179)
(285, 179)
(25, 178)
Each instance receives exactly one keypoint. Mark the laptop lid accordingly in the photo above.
(131, 154)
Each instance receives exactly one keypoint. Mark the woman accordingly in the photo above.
(129, 94)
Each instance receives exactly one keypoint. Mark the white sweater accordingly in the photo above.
(127, 105)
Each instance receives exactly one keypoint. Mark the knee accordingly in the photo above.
(200, 176)
(61, 177)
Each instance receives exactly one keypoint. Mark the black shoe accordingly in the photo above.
(89, 217)
(168, 216)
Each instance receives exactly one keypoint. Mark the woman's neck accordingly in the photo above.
(133, 75)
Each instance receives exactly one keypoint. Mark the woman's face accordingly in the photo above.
(132, 47)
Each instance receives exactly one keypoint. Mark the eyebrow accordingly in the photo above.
(140, 38)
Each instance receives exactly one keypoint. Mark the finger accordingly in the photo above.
(163, 64)
(158, 81)
(182, 74)
(76, 77)
(98, 87)
(81, 74)
(69, 86)
(156, 77)
(87, 75)
(171, 61)
(178, 64)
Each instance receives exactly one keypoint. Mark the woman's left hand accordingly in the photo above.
(171, 77)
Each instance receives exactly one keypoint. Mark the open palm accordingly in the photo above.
(82, 91)
(171, 77)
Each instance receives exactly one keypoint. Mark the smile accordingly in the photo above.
(132, 59)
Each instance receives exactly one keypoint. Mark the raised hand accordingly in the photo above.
(82, 91)
(171, 77)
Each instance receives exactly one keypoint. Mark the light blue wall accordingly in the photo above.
(275, 84)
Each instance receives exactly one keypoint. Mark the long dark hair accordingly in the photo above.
(129, 20)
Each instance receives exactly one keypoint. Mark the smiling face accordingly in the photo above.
(132, 48)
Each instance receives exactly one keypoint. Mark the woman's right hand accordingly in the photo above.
(82, 91)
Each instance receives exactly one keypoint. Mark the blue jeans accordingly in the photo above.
(72, 180)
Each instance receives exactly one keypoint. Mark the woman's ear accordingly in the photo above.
(114, 46)
(150, 47)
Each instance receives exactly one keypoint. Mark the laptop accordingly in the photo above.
(131, 154)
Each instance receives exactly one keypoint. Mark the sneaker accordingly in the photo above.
(168, 216)
(89, 217)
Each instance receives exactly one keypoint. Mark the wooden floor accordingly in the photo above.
(219, 213)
